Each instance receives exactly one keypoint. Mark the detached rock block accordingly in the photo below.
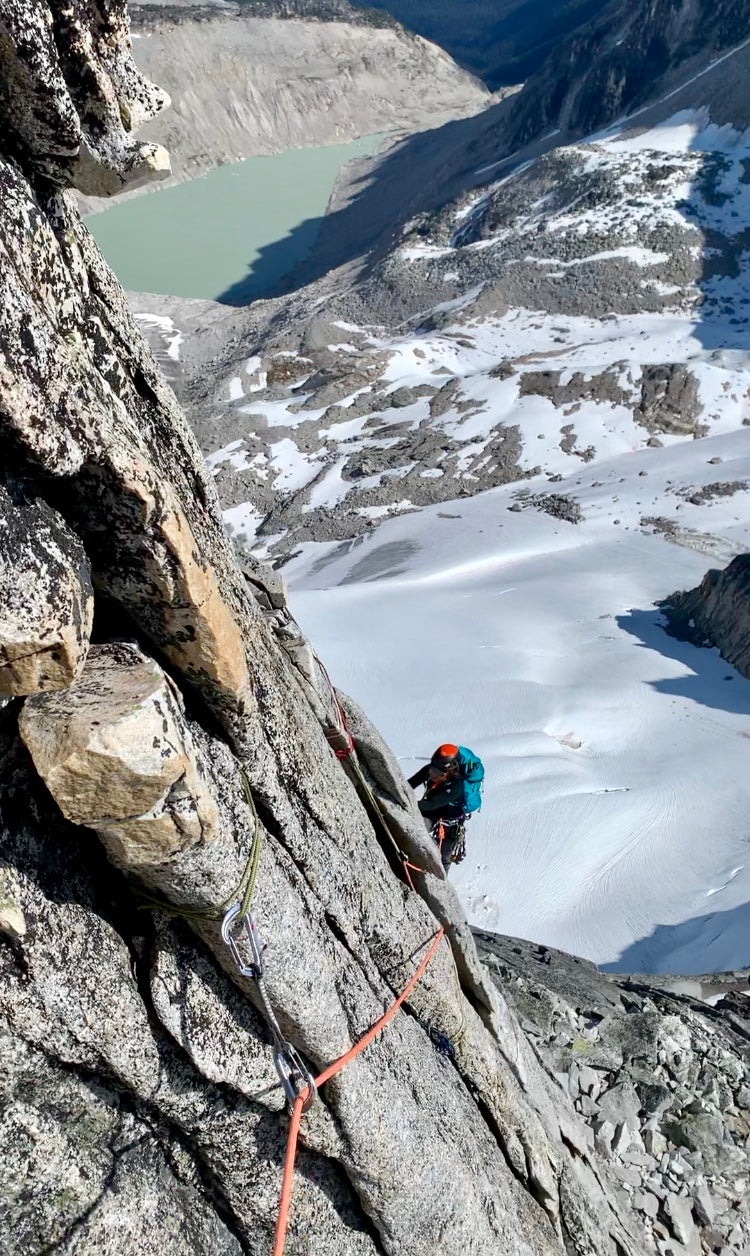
(117, 755)
(669, 400)
(46, 598)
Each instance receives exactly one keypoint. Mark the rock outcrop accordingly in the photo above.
(660, 1077)
(717, 613)
(669, 400)
(116, 754)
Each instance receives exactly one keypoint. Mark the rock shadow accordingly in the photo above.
(723, 317)
(274, 271)
(712, 681)
(382, 563)
(719, 941)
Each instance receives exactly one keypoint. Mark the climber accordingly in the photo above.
(453, 790)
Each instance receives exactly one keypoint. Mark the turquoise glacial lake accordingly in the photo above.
(229, 235)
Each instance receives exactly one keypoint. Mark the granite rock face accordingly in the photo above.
(46, 596)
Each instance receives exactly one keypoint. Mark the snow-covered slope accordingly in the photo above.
(616, 798)
(596, 301)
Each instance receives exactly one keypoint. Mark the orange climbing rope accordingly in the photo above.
(282, 1225)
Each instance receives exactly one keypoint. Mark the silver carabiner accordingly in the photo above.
(249, 930)
(294, 1076)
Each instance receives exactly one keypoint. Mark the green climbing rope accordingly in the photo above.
(245, 889)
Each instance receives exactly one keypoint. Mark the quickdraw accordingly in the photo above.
(294, 1075)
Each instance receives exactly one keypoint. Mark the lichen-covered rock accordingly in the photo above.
(89, 411)
(71, 95)
(716, 613)
(46, 597)
(115, 752)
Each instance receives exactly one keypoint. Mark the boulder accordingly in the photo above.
(621, 1105)
(669, 400)
(703, 1204)
(115, 752)
(45, 594)
(679, 1215)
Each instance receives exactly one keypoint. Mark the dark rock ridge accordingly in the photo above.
(141, 1110)
(717, 613)
(620, 60)
(504, 41)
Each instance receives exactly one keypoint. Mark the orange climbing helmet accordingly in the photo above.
(444, 760)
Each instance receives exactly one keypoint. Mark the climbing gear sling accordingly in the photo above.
(440, 833)
(242, 895)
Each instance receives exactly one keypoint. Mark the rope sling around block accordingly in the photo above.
(303, 1100)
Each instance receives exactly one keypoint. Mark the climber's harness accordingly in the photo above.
(440, 832)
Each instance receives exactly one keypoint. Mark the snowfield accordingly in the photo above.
(618, 759)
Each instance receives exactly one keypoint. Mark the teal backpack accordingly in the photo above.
(472, 773)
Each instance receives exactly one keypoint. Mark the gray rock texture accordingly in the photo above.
(669, 400)
(46, 596)
(141, 1110)
(658, 1075)
(717, 613)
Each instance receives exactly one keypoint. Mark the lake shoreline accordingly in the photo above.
(232, 234)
